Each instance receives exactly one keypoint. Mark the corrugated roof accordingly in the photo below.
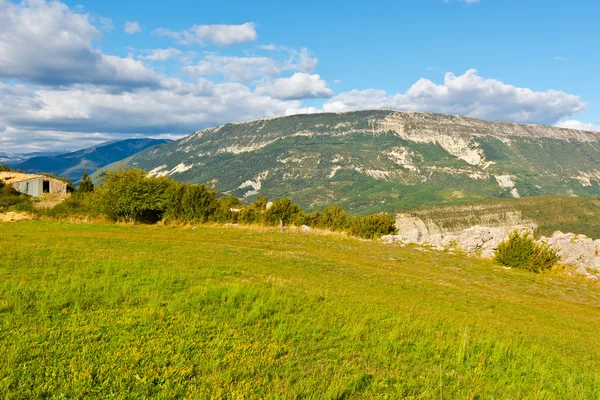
(16, 177)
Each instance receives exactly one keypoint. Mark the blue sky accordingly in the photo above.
(76, 73)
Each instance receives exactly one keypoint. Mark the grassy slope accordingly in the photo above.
(99, 311)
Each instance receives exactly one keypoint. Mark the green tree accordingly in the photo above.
(131, 195)
(190, 203)
(85, 185)
(285, 211)
(334, 217)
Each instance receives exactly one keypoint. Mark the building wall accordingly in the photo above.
(35, 187)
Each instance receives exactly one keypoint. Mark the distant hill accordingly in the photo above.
(383, 160)
(16, 158)
(72, 165)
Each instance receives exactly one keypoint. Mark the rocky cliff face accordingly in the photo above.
(383, 160)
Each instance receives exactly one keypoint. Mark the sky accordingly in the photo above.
(78, 73)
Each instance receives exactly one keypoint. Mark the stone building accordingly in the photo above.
(33, 185)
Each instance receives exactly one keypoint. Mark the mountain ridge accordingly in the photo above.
(72, 164)
(382, 159)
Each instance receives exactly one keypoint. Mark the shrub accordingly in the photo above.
(10, 199)
(373, 226)
(255, 212)
(523, 252)
(284, 210)
(334, 218)
(228, 210)
(131, 195)
(78, 205)
(189, 203)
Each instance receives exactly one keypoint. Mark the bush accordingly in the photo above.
(228, 210)
(255, 212)
(10, 199)
(78, 205)
(189, 203)
(334, 218)
(373, 226)
(284, 210)
(523, 252)
(131, 195)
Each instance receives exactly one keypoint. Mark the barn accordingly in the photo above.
(33, 185)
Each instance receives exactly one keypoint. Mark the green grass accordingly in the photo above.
(108, 311)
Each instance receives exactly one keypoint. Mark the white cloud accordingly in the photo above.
(81, 115)
(299, 86)
(245, 69)
(575, 124)
(301, 60)
(132, 27)
(45, 43)
(241, 69)
(219, 35)
(468, 94)
(162, 54)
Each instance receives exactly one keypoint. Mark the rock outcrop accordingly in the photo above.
(576, 250)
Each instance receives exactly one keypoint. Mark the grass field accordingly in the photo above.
(109, 311)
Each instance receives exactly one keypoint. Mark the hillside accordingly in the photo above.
(254, 313)
(548, 213)
(371, 161)
(72, 165)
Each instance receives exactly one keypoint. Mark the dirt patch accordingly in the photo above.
(15, 216)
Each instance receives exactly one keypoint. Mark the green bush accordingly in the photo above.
(131, 195)
(79, 204)
(373, 226)
(523, 252)
(334, 218)
(10, 199)
(189, 203)
(228, 210)
(284, 210)
(255, 212)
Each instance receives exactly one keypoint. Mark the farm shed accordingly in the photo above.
(33, 185)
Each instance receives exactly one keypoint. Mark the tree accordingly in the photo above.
(285, 211)
(85, 185)
(334, 217)
(131, 195)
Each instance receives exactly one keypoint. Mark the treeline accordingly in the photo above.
(132, 196)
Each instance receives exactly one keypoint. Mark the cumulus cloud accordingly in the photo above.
(219, 35)
(468, 94)
(241, 69)
(79, 115)
(132, 27)
(299, 86)
(245, 69)
(45, 43)
(576, 124)
(162, 54)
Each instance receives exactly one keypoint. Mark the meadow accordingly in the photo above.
(134, 311)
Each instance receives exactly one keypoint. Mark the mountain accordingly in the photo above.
(16, 158)
(72, 165)
(370, 161)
